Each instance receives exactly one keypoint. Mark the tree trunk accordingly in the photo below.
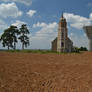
(23, 46)
(8, 48)
(14, 46)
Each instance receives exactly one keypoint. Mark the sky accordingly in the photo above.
(42, 18)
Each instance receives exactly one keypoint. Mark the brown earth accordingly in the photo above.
(28, 72)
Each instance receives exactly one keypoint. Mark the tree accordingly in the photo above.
(6, 39)
(9, 37)
(76, 49)
(23, 36)
(83, 49)
(14, 32)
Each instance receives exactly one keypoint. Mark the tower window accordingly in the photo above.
(62, 44)
(62, 35)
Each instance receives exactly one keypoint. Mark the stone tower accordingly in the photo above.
(62, 43)
(62, 35)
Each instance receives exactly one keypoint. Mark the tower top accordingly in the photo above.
(62, 21)
(62, 18)
(62, 15)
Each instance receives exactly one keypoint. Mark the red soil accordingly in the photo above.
(28, 72)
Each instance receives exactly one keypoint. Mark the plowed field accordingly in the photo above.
(35, 72)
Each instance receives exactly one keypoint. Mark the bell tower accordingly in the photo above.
(62, 35)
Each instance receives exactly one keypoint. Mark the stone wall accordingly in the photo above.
(54, 45)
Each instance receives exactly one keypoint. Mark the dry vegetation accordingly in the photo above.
(28, 72)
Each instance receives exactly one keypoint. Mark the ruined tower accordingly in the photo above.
(62, 43)
(62, 35)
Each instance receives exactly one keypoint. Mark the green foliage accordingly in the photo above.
(23, 36)
(76, 49)
(83, 49)
(6, 39)
(14, 32)
(10, 37)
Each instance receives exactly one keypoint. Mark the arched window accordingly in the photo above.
(62, 44)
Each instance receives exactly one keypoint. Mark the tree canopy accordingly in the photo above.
(23, 36)
(11, 35)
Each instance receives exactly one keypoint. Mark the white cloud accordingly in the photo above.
(47, 32)
(18, 23)
(77, 21)
(39, 25)
(3, 26)
(83, 40)
(9, 10)
(90, 16)
(42, 39)
(31, 12)
(26, 2)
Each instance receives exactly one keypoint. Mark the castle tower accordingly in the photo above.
(62, 35)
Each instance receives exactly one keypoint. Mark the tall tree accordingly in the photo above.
(24, 36)
(14, 32)
(6, 39)
(9, 37)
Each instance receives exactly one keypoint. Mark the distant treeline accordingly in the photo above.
(76, 49)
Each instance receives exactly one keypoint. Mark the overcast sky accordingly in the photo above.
(42, 17)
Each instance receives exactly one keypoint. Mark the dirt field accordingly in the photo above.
(28, 72)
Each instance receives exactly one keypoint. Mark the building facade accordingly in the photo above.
(62, 42)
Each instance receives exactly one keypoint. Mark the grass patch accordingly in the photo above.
(39, 51)
(31, 51)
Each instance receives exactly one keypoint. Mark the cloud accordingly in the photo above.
(47, 32)
(83, 40)
(39, 25)
(9, 10)
(18, 23)
(3, 25)
(90, 16)
(77, 21)
(90, 4)
(42, 39)
(31, 12)
(26, 2)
